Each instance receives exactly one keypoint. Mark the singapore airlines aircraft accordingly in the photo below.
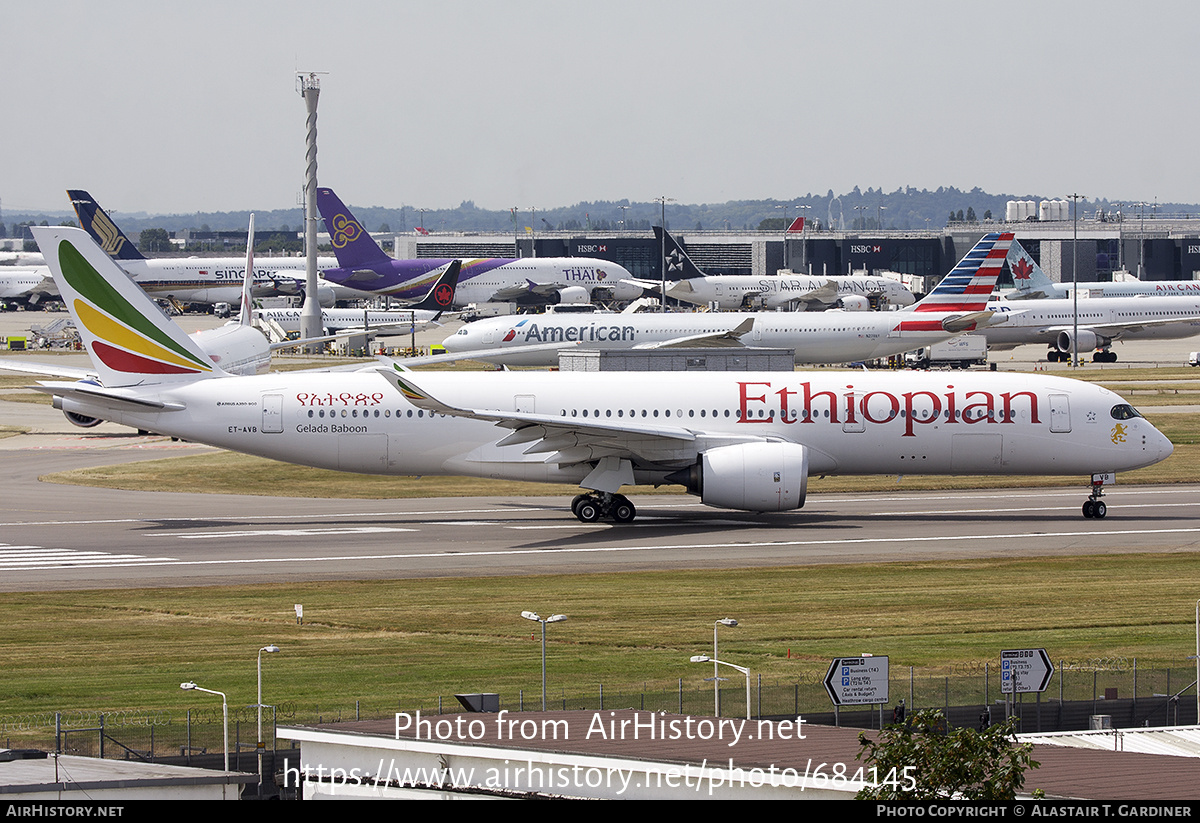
(957, 305)
(1033, 283)
(739, 440)
(799, 291)
(536, 280)
(198, 279)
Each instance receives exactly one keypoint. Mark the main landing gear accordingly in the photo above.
(590, 508)
(1094, 506)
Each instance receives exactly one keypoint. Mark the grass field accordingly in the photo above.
(405, 642)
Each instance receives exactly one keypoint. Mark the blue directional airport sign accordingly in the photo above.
(1024, 670)
(857, 681)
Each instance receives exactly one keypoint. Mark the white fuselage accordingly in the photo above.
(600, 279)
(210, 279)
(734, 291)
(850, 422)
(395, 321)
(1132, 318)
(24, 282)
(1131, 288)
(817, 337)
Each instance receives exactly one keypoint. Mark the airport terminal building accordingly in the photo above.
(1160, 249)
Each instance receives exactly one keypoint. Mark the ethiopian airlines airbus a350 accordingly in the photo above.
(745, 441)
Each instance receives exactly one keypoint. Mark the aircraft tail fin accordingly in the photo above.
(441, 295)
(679, 265)
(352, 246)
(971, 282)
(102, 229)
(130, 340)
(246, 311)
(1027, 274)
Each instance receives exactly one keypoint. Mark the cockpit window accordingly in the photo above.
(1124, 411)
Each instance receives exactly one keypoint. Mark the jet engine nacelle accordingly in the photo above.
(1088, 340)
(574, 296)
(326, 297)
(81, 420)
(855, 302)
(757, 477)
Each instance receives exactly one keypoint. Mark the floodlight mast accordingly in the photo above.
(554, 618)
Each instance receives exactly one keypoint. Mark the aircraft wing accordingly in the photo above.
(574, 440)
(1116, 330)
(713, 340)
(46, 369)
(118, 399)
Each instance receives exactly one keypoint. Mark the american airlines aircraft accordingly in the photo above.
(537, 280)
(799, 291)
(197, 279)
(957, 305)
(744, 441)
(1033, 283)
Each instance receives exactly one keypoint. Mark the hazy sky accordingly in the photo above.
(179, 107)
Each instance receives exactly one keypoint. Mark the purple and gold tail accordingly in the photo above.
(352, 246)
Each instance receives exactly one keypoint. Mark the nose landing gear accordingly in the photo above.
(1094, 507)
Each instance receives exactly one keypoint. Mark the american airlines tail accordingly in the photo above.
(970, 283)
(131, 342)
(101, 227)
(351, 244)
(679, 265)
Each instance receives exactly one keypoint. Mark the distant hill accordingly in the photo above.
(905, 208)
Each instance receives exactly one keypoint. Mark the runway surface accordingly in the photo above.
(68, 537)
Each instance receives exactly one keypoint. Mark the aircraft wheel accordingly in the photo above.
(579, 498)
(588, 510)
(623, 511)
(1099, 510)
(1089, 509)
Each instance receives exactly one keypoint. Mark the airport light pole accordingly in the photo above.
(554, 618)
(724, 621)
(189, 686)
(271, 649)
(624, 216)
(1075, 198)
(704, 658)
(662, 252)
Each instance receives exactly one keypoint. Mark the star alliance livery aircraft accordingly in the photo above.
(956, 306)
(538, 280)
(799, 291)
(744, 441)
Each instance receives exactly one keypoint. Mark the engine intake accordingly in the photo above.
(757, 477)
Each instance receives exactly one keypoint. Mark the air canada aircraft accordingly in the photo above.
(1101, 321)
(796, 291)
(197, 279)
(1033, 283)
(746, 441)
(956, 306)
(531, 280)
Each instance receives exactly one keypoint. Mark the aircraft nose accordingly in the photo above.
(1164, 444)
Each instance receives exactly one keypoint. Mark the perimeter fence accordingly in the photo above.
(968, 693)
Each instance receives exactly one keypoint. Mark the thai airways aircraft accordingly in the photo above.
(532, 280)
(1033, 283)
(197, 279)
(799, 291)
(417, 317)
(744, 441)
(956, 306)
